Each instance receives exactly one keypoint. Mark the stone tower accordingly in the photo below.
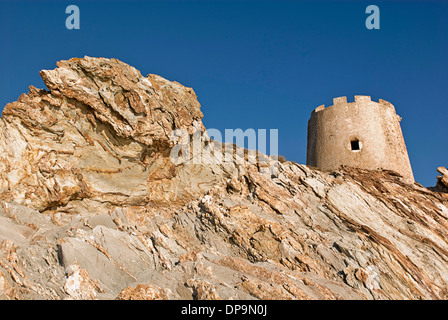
(363, 134)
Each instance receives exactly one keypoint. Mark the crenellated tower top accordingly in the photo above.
(364, 134)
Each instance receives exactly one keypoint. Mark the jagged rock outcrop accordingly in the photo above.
(103, 132)
(442, 180)
(92, 207)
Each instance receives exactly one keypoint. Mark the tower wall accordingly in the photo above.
(363, 134)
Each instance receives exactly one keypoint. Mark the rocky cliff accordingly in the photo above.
(93, 207)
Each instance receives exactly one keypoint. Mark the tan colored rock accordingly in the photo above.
(100, 124)
(443, 179)
(203, 290)
(87, 187)
(144, 292)
(79, 285)
(6, 290)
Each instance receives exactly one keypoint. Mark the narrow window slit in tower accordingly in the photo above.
(355, 145)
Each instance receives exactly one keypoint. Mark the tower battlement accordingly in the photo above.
(363, 134)
(339, 101)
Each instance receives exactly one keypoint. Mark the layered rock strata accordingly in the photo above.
(93, 207)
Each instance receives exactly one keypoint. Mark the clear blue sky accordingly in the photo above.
(253, 64)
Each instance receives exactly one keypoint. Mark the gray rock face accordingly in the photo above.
(92, 207)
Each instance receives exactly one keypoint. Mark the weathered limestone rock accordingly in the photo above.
(102, 132)
(79, 285)
(443, 179)
(144, 292)
(92, 207)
